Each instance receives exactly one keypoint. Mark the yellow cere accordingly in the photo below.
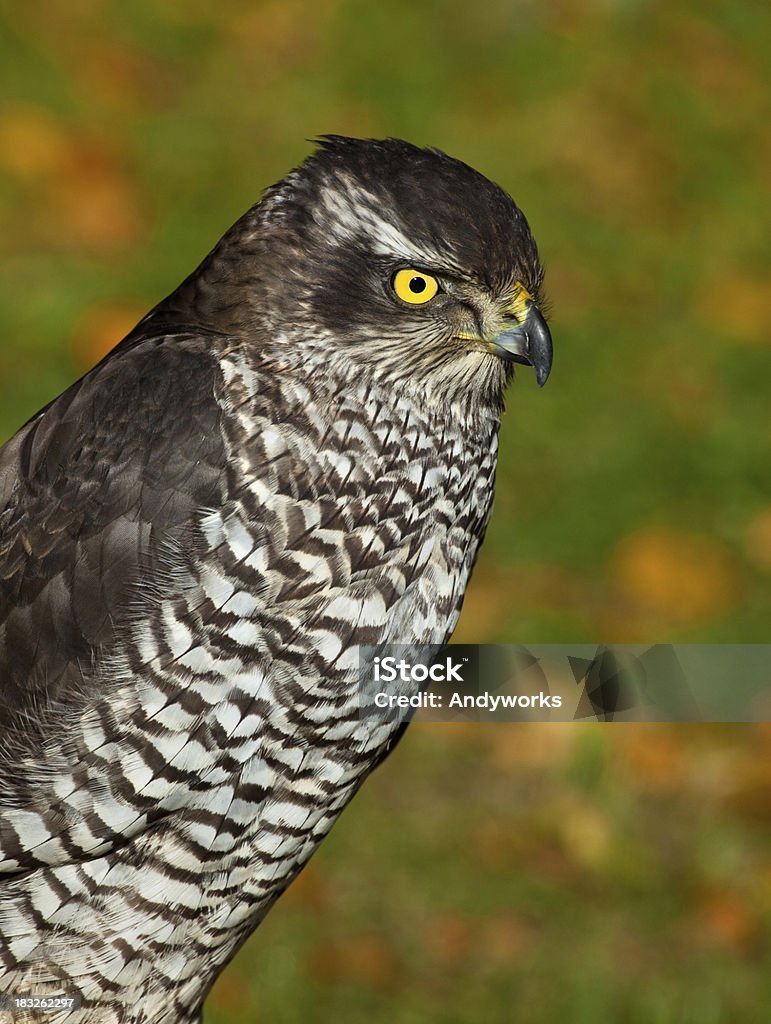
(519, 300)
(414, 286)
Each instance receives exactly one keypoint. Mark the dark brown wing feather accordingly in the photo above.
(94, 491)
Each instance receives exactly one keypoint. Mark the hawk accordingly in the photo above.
(290, 456)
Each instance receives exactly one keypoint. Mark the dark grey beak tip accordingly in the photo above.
(530, 344)
(540, 351)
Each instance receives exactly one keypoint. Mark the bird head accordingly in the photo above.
(381, 257)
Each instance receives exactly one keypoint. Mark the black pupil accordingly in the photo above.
(417, 285)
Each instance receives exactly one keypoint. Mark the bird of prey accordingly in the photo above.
(290, 456)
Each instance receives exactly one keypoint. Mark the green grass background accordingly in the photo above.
(527, 874)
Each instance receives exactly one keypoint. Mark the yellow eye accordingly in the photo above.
(414, 286)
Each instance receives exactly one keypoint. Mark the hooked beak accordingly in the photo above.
(528, 343)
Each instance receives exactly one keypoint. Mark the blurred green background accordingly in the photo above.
(528, 874)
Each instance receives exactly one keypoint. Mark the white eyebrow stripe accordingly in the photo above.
(354, 211)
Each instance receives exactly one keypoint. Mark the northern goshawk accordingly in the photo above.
(290, 456)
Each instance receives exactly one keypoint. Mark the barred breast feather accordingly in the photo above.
(193, 547)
